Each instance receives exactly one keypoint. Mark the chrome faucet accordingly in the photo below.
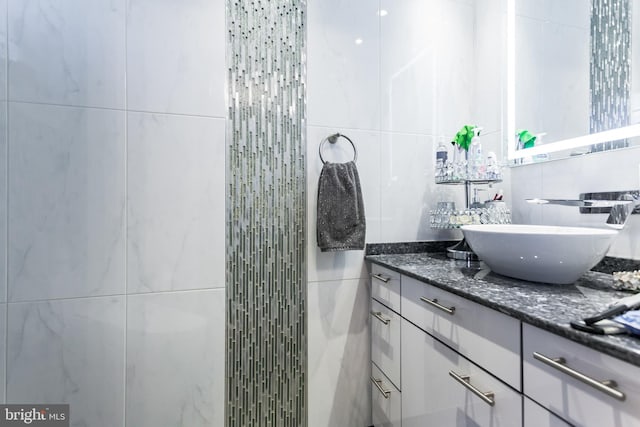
(621, 207)
(620, 213)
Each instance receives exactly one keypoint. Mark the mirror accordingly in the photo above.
(573, 77)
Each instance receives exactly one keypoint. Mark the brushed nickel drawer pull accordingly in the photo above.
(386, 393)
(607, 387)
(381, 278)
(378, 315)
(434, 302)
(486, 396)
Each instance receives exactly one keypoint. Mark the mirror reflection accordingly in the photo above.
(576, 72)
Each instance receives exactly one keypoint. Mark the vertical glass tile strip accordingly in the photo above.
(610, 76)
(266, 214)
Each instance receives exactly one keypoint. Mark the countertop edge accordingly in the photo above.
(604, 344)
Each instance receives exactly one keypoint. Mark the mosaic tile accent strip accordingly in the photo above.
(610, 76)
(266, 214)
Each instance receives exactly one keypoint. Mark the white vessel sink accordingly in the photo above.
(539, 253)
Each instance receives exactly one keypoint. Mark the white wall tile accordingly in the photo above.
(3, 49)
(526, 183)
(339, 353)
(69, 351)
(342, 76)
(426, 83)
(175, 359)
(3, 350)
(3, 201)
(70, 52)
(176, 57)
(66, 202)
(408, 189)
(346, 264)
(176, 174)
(574, 13)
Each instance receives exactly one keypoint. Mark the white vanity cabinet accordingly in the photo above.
(442, 388)
(385, 400)
(537, 416)
(439, 359)
(385, 347)
(385, 341)
(385, 287)
(579, 384)
(485, 336)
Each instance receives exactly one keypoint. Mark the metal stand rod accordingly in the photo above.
(462, 250)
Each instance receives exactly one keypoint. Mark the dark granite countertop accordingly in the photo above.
(550, 307)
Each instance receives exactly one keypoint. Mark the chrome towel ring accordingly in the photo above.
(333, 139)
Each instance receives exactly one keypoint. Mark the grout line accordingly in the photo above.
(169, 292)
(125, 109)
(382, 133)
(126, 212)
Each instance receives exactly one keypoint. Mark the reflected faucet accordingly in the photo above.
(621, 205)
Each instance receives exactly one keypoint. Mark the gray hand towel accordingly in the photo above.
(341, 223)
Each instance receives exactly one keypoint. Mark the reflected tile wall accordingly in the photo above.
(69, 351)
(66, 202)
(175, 372)
(610, 72)
(553, 72)
(70, 52)
(175, 211)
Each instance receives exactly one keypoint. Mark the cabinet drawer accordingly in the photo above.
(489, 338)
(385, 287)
(554, 383)
(385, 341)
(432, 396)
(537, 416)
(385, 400)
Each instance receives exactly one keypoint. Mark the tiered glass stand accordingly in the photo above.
(461, 250)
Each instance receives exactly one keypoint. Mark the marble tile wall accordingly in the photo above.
(112, 168)
(394, 84)
(112, 175)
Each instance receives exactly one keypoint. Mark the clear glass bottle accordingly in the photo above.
(442, 155)
(459, 164)
(477, 166)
